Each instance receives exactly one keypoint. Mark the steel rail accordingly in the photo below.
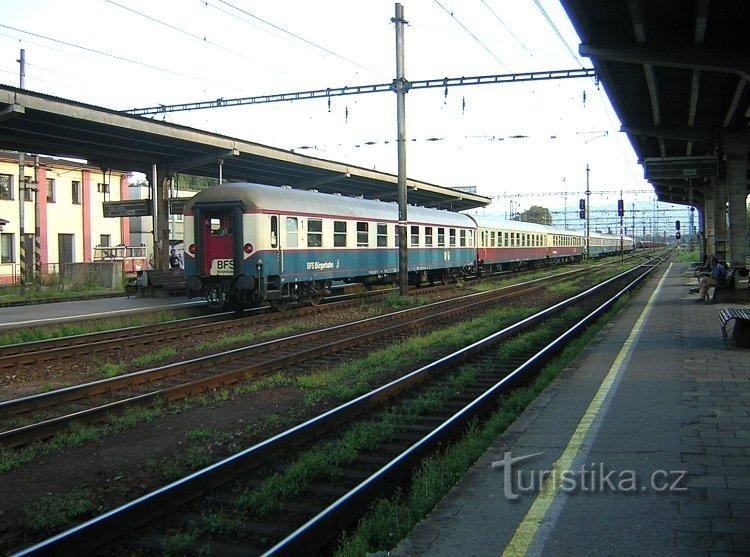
(99, 530)
(28, 353)
(409, 319)
(337, 515)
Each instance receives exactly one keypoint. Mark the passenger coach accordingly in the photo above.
(247, 243)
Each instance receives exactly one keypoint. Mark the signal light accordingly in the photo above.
(677, 235)
(620, 208)
(677, 225)
(582, 208)
(248, 248)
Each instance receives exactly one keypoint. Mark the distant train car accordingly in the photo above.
(509, 244)
(250, 243)
(609, 244)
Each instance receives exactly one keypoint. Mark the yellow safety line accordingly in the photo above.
(527, 529)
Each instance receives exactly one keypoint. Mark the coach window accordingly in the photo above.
(452, 236)
(339, 234)
(382, 235)
(363, 234)
(314, 233)
(428, 236)
(292, 232)
(414, 238)
(274, 232)
(441, 237)
(462, 238)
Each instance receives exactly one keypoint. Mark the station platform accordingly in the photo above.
(60, 312)
(657, 400)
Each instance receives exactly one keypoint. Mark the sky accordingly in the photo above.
(506, 140)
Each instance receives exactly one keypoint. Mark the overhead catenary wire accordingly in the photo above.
(507, 28)
(200, 79)
(298, 37)
(473, 36)
(557, 31)
(203, 39)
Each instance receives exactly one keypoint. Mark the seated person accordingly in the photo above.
(716, 278)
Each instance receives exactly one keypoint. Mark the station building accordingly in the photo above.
(70, 197)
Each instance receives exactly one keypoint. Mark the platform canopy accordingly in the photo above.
(37, 123)
(677, 74)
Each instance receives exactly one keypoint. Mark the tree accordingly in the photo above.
(190, 182)
(537, 214)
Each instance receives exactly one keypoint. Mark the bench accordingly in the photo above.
(741, 330)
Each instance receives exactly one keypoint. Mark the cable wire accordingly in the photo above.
(557, 31)
(512, 34)
(203, 40)
(108, 54)
(473, 36)
(298, 37)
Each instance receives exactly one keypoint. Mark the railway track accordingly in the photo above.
(54, 411)
(323, 508)
(24, 355)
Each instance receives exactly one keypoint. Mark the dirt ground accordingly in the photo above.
(119, 467)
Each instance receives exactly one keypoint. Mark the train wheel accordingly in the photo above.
(279, 305)
(216, 297)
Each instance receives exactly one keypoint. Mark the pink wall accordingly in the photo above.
(42, 193)
(124, 222)
(86, 213)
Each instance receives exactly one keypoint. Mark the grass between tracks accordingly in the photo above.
(72, 329)
(322, 463)
(390, 519)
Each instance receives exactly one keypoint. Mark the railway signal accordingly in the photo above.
(620, 208)
(582, 208)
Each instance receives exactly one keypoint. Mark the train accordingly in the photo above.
(248, 243)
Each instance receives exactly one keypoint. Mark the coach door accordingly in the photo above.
(218, 232)
(276, 244)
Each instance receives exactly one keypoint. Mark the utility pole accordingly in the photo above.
(400, 85)
(588, 209)
(22, 63)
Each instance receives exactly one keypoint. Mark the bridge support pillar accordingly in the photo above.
(708, 221)
(737, 166)
(719, 192)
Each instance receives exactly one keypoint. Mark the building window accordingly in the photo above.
(462, 238)
(382, 235)
(339, 234)
(50, 190)
(292, 230)
(104, 240)
(6, 248)
(6, 186)
(75, 192)
(363, 233)
(428, 236)
(414, 236)
(314, 233)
